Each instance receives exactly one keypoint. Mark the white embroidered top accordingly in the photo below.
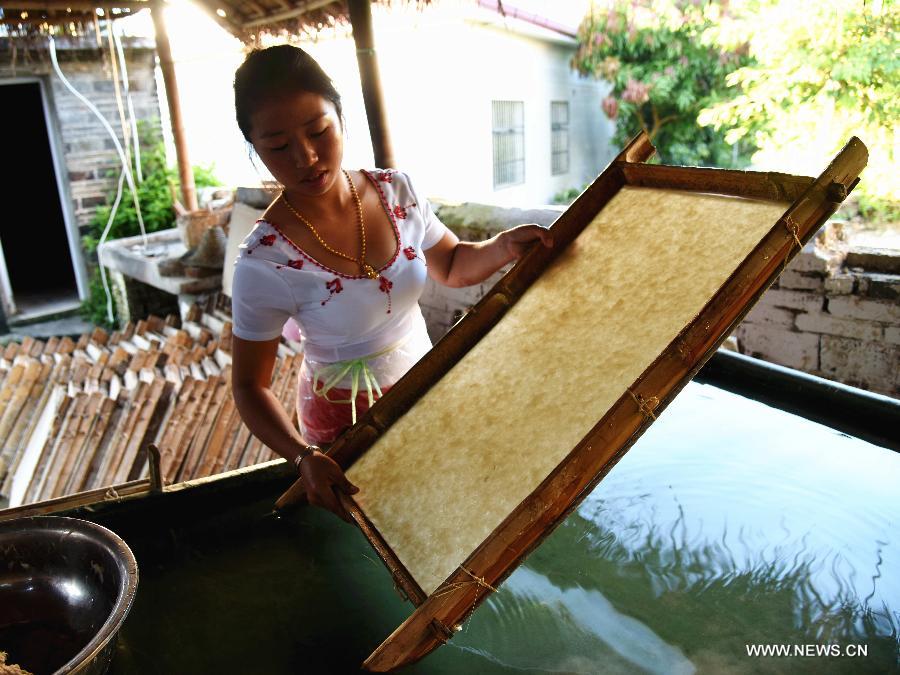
(341, 316)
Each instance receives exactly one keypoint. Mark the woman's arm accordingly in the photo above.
(251, 375)
(456, 263)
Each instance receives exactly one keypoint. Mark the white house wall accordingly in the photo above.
(440, 70)
(440, 73)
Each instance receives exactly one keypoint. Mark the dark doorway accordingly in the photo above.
(32, 228)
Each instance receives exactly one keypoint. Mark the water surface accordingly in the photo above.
(728, 523)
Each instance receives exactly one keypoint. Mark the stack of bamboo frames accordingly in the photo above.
(77, 416)
(450, 560)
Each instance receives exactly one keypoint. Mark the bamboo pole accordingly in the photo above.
(361, 20)
(164, 49)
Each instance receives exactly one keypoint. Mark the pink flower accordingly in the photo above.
(611, 107)
(636, 92)
(669, 71)
(683, 60)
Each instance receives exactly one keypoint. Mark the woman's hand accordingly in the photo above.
(321, 476)
(518, 240)
(456, 264)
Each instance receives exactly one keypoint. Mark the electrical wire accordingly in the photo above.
(123, 176)
(125, 167)
(130, 103)
(112, 215)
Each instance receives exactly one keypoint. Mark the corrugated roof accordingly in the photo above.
(246, 19)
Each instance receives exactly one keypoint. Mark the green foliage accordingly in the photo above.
(821, 73)
(568, 196)
(154, 195)
(157, 210)
(667, 60)
(93, 308)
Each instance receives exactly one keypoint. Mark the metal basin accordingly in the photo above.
(66, 586)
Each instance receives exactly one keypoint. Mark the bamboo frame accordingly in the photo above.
(214, 445)
(19, 436)
(17, 410)
(52, 468)
(33, 490)
(171, 442)
(198, 447)
(92, 446)
(68, 459)
(89, 497)
(67, 414)
(812, 202)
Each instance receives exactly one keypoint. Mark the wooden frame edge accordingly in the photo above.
(434, 622)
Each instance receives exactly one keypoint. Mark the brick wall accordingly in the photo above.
(834, 312)
(88, 151)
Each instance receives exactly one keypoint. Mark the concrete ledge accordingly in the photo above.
(257, 197)
(482, 221)
(129, 257)
(873, 259)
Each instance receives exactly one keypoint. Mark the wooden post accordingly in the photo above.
(361, 20)
(185, 173)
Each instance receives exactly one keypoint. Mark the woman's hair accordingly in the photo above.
(278, 70)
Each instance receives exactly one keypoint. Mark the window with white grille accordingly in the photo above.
(559, 137)
(508, 124)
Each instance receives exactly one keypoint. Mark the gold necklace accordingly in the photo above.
(364, 267)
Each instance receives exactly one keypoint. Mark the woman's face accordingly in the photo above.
(298, 137)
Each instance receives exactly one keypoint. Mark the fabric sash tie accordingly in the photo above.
(331, 374)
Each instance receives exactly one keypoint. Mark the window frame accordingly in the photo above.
(508, 123)
(560, 158)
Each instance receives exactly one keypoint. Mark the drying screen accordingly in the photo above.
(468, 452)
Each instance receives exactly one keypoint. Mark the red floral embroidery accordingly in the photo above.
(295, 264)
(386, 176)
(334, 286)
(385, 285)
(268, 240)
(411, 254)
(400, 211)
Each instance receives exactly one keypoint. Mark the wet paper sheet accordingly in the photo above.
(449, 471)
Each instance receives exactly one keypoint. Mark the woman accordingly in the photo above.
(343, 253)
